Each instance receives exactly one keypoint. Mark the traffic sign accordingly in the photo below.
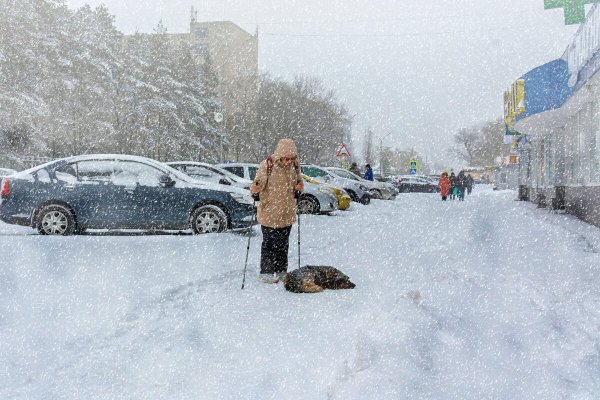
(343, 151)
(413, 171)
(414, 164)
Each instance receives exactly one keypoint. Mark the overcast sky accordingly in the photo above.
(414, 71)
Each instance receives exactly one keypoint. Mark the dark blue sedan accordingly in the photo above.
(70, 195)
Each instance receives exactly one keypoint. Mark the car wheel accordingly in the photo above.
(352, 195)
(55, 219)
(308, 205)
(377, 194)
(208, 219)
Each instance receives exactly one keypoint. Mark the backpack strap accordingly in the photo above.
(269, 165)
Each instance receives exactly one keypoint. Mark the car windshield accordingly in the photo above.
(314, 172)
(345, 174)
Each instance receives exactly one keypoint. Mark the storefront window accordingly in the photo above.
(571, 155)
(595, 145)
(550, 148)
(585, 134)
(575, 151)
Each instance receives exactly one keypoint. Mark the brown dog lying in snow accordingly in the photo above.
(316, 278)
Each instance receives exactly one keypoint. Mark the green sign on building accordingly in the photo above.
(574, 9)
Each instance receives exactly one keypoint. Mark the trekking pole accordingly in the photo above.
(298, 211)
(248, 246)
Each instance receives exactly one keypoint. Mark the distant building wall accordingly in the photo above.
(234, 56)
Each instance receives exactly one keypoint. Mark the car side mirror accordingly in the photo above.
(166, 181)
(224, 181)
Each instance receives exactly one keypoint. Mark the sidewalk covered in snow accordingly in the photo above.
(487, 298)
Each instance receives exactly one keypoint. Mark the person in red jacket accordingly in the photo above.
(445, 185)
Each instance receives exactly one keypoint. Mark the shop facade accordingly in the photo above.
(559, 122)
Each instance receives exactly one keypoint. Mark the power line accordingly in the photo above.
(369, 35)
(362, 20)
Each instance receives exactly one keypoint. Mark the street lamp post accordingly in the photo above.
(218, 117)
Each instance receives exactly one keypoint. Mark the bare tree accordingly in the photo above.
(303, 110)
(480, 145)
(368, 149)
(467, 142)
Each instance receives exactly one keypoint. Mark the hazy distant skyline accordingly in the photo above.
(414, 71)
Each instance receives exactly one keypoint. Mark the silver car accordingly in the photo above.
(379, 190)
(316, 199)
(357, 191)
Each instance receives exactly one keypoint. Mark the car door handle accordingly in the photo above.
(69, 187)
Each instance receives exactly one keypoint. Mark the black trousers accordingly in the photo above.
(274, 249)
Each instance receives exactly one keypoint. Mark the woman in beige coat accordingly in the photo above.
(277, 179)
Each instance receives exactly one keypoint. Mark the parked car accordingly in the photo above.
(412, 183)
(379, 190)
(342, 196)
(243, 170)
(210, 173)
(314, 200)
(317, 199)
(69, 195)
(7, 172)
(356, 190)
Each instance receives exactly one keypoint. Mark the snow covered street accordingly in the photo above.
(488, 298)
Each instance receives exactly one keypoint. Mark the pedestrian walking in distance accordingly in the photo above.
(278, 181)
(453, 188)
(470, 183)
(461, 184)
(444, 185)
(368, 172)
(354, 169)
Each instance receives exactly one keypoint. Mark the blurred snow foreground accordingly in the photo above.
(484, 299)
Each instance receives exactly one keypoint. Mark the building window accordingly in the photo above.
(550, 148)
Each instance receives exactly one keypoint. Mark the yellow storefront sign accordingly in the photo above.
(514, 101)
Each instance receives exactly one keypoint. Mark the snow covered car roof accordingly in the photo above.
(125, 157)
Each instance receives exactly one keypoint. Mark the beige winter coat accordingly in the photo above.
(277, 206)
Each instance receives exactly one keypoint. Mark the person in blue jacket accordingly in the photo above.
(368, 172)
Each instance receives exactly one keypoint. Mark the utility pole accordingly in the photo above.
(381, 156)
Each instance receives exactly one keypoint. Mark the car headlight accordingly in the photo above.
(242, 198)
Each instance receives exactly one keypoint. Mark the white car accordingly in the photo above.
(316, 199)
(243, 170)
(210, 173)
(379, 190)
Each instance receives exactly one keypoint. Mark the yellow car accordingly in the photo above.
(342, 196)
